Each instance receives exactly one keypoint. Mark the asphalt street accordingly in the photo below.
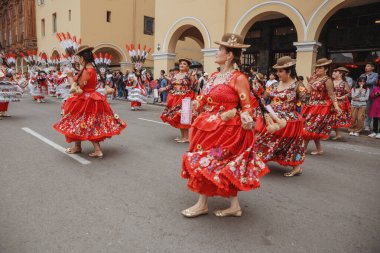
(130, 201)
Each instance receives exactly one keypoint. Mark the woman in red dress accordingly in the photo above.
(42, 86)
(318, 112)
(221, 160)
(87, 114)
(3, 103)
(342, 92)
(285, 146)
(180, 87)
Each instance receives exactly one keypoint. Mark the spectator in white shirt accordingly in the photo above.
(272, 80)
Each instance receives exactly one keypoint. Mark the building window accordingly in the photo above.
(69, 15)
(54, 19)
(40, 2)
(284, 30)
(108, 16)
(148, 25)
(253, 34)
(43, 27)
(250, 59)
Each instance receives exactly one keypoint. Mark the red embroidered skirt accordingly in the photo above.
(318, 121)
(284, 146)
(221, 160)
(88, 117)
(172, 112)
(343, 120)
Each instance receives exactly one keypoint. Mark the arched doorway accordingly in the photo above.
(189, 44)
(351, 36)
(116, 56)
(19, 65)
(271, 36)
(186, 37)
(55, 53)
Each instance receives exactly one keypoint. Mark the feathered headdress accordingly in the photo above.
(10, 59)
(68, 43)
(32, 59)
(138, 56)
(54, 61)
(102, 62)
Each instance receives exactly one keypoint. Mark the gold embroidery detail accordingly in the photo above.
(199, 97)
(243, 96)
(199, 147)
(209, 99)
(232, 40)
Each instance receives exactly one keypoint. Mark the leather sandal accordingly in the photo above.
(94, 155)
(336, 138)
(293, 173)
(316, 153)
(71, 151)
(224, 213)
(192, 214)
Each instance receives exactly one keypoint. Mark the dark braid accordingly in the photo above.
(237, 54)
(81, 73)
(261, 105)
(100, 75)
(89, 58)
(293, 72)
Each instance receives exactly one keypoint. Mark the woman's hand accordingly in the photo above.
(246, 120)
(195, 105)
(311, 79)
(69, 73)
(338, 110)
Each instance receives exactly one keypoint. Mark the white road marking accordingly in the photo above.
(149, 120)
(56, 146)
(351, 147)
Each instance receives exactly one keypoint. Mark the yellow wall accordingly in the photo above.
(189, 48)
(49, 42)
(89, 22)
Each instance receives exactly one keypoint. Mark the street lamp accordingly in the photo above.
(158, 46)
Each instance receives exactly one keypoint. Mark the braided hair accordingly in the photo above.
(237, 54)
(89, 58)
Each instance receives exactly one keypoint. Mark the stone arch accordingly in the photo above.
(118, 53)
(55, 52)
(257, 12)
(183, 25)
(117, 57)
(325, 11)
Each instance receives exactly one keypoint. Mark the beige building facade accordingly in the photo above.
(206, 21)
(106, 25)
